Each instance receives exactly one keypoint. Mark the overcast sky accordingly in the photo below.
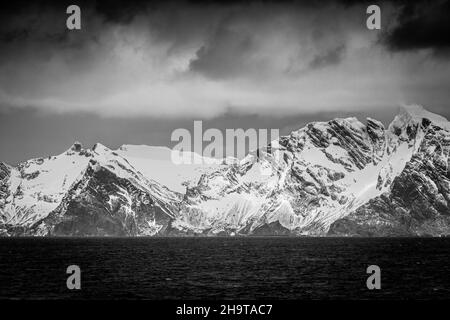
(136, 70)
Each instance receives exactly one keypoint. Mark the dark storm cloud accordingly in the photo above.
(225, 54)
(255, 41)
(421, 25)
(333, 56)
(172, 59)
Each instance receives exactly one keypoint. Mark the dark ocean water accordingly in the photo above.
(224, 268)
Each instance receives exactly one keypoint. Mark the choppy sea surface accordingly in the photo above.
(225, 268)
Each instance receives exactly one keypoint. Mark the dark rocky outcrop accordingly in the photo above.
(418, 203)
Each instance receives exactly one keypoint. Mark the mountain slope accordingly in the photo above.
(99, 193)
(340, 177)
(418, 202)
(155, 162)
(323, 172)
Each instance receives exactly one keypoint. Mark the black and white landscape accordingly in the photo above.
(358, 154)
(215, 150)
(340, 178)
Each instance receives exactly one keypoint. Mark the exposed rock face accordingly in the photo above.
(418, 202)
(323, 172)
(103, 203)
(5, 194)
(340, 177)
(98, 194)
(5, 173)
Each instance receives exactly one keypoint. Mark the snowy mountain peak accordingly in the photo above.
(76, 146)
(417, 200)
(374, 122)
(416, 113)
(419, 112)
(100, 148)
(323, 173)
(146, 152)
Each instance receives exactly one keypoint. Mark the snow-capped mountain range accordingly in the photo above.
(340, 178)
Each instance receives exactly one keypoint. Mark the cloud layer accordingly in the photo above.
(204, 60)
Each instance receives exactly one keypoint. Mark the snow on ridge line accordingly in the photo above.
(57, 173)
(418, 112)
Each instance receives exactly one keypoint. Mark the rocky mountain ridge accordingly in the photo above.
(339, 178)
